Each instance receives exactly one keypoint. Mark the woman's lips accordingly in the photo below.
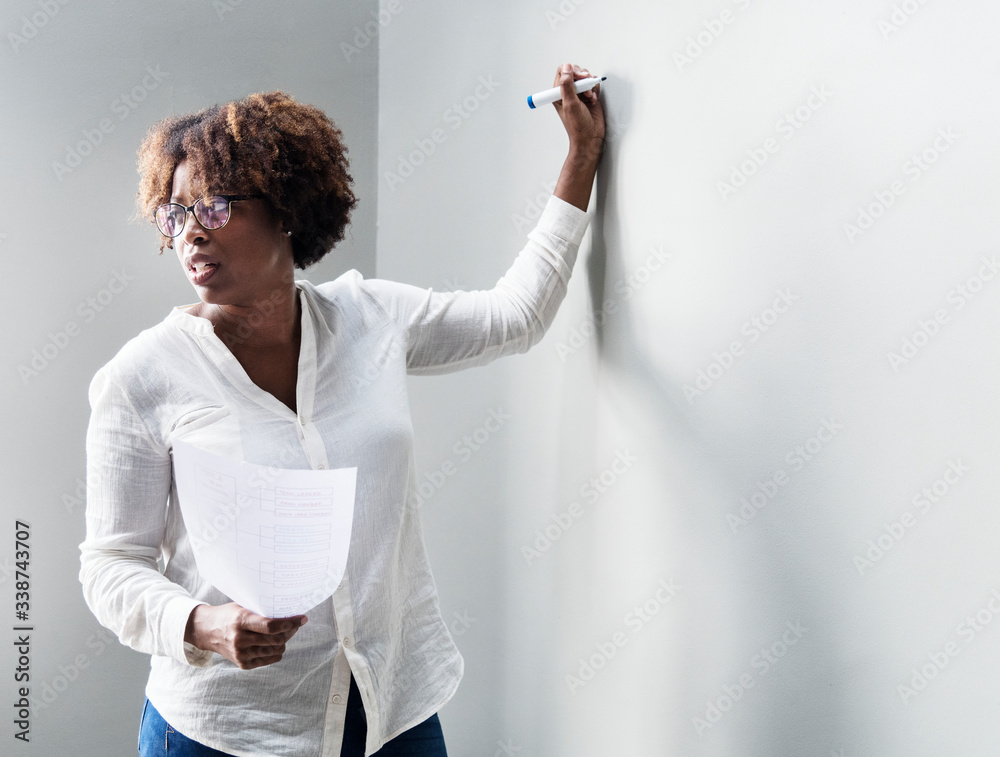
(199, 273)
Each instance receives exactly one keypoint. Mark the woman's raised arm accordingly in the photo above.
(583, 117)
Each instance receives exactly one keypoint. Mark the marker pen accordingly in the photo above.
(551, 95)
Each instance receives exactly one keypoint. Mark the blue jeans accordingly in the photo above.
(158, 739)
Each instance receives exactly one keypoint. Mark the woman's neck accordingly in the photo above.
(274, 321)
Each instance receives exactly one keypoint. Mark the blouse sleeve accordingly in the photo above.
(447, 331)
(128, 485)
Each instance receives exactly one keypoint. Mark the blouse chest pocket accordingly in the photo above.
(214, 428)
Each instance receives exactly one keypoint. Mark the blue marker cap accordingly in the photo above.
(555, 94)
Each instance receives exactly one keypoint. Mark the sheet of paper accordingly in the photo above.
(273, 540)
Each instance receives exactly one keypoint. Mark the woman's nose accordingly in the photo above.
(193, 232)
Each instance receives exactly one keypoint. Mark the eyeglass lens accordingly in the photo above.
(212, 213)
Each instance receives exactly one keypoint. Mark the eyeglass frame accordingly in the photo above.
(230, 199)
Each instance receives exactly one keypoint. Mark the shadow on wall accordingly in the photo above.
(781, 573)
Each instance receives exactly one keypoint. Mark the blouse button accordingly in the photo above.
(337, 699)
(321, 466)
(347, 641)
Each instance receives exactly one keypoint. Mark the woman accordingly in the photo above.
(279, 372)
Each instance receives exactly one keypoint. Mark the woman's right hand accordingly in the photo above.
(582, 115)
(241, 636)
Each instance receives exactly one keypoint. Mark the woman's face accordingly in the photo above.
(242, 264)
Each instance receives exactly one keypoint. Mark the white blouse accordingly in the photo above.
(178, 380)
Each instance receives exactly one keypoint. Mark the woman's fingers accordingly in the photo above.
(564, 80)
(259, 641)
(254, 623)
(576, 72)
(243, 637)
(257, 657)
(582, 115)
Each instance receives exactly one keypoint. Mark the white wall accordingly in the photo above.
(844, 98)
(64, 236)
(580, 398)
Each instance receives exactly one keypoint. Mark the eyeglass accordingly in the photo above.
(211, 212)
